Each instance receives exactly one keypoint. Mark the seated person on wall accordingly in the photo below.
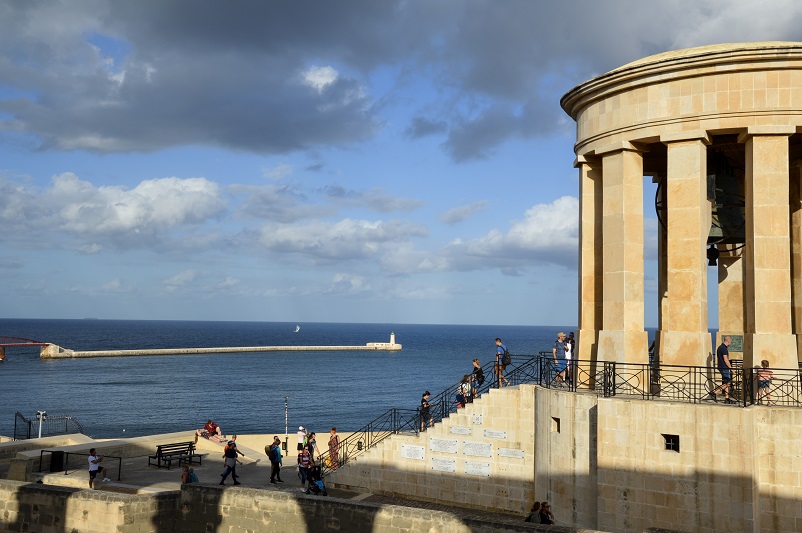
(210, 431)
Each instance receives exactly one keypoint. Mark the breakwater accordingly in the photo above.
(52, 351)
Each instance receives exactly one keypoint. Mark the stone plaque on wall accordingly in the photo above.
(737, 344)
(477, 469)
(444, 465)
(492, 434)
(443, 445)
(509, 452)
(477, 419)
(477, 449)
(460, 431)
(413, 452)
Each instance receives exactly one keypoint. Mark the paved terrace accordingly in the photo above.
(137, 477)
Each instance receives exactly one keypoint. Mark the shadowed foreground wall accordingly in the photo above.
(48, 509)
(603, 462)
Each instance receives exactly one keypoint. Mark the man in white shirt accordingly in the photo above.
(301, 438)
(94, 468)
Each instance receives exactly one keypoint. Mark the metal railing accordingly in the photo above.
(65, 456)
(523, 369)
(688, 384)
(29, 428)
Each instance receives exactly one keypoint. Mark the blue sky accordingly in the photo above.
(356, 161)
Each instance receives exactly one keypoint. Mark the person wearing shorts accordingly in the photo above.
(558, 352)
(764, 377)
(725, 369)
(95, 468)
(499, 367)
(301, 438)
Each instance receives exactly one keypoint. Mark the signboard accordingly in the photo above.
(737, 344)
(443, 445)
(444, 465)
(477, 469)
(477, 419)
(509, 452)
(493, 434)
(413, 452)
(477, 449)
(456, 430)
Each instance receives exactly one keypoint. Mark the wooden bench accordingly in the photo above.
(176, 451)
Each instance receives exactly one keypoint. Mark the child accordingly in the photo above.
(764, 377)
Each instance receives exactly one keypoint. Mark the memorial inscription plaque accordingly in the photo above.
(413, 452)
(477, 449)
(509, 452)
(443, 445)
(444, 465)
(477, 469)
(477, 419)
(456, 430)
(493, 434)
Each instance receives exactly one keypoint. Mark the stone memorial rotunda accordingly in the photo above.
(717, 128)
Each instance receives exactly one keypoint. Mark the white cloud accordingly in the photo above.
(91, 249)
(319, 77)
(348, 284)
(227, 283)
(180, 280)
(344, 239)
(463, 212)
(278, 172)
(547, 234)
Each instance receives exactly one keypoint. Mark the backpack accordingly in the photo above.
(273, 455)
(506, 359)
(193, 478)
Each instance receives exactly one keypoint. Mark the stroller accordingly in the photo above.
(316, 485)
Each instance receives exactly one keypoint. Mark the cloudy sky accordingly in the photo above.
(352, 161)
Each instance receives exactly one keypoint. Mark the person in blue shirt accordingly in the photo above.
(500, 366)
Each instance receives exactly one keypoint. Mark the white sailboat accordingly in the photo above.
(297, 328)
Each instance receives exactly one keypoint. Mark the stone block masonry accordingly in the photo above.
(47, 509)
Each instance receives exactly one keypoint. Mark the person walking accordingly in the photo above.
(334, 449)
(425, 415)
(558, 353)
(725, 369)
(304, 464)
(502, 360)
(95, 468)
(231, 460)
(764, 377)
(274, 454)
(477, 377)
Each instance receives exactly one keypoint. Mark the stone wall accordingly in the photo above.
(608, 463)
(48, 509)
(481, 457)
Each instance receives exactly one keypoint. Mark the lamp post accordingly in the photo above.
(286, 422)
(41, 416)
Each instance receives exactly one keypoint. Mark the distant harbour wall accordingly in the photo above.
(53, 351)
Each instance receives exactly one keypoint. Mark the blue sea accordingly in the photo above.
(243, 392)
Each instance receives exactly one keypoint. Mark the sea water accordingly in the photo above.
(243, 392)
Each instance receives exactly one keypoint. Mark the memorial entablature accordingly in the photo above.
(717, 129)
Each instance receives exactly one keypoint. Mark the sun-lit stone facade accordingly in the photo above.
(696, 121)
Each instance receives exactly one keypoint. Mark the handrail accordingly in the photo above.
(67, 460)
(396, 420)
(689, 384)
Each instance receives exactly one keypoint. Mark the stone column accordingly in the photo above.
(730, 294)
(767, 255)
(590, 258)
(684, 338)
(795, 184)
(622, 337)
